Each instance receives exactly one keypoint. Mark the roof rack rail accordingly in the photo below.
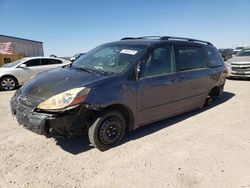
(167, 38)
(188, 39)
(129, 38)
(144, 37)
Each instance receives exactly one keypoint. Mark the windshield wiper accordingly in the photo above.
(105, 72)
(86, 70)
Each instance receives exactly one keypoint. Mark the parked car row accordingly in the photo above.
(226, 53)
(239, 48)
(121, 86)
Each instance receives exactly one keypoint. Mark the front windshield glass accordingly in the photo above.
(14, 63)
(243, 53)
(108, 59)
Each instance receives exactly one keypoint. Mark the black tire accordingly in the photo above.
(8, 83)
(209, 101)
(108, 130)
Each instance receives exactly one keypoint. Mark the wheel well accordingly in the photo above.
(11, 77)
(215, 91)
(125, 112)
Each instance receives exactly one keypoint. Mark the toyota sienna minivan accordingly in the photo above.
(121, 86)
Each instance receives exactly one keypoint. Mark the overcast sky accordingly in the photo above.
(69, 27)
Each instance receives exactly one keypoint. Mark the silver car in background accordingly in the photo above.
(18, 72)
(239, 65)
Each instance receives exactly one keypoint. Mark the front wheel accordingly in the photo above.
(108, 130)
(8, 83)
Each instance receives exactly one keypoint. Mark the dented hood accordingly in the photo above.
(56, 81)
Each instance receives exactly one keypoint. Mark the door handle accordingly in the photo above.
(169, 82)
(183, 77)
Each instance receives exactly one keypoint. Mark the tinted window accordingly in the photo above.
(213, 57)
(190, 57)
(32, 63)
(50, 61)
(159, 61)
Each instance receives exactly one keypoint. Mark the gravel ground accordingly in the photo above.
(204, 148)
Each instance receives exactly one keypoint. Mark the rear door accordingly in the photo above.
(191, 61)
(158, 90)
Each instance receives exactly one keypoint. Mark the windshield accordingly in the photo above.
(243, 53)
(108, 59)
(14, 63)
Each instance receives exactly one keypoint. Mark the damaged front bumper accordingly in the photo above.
(68, 123)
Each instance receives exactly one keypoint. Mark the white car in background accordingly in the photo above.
(239, 65)
(18, 72)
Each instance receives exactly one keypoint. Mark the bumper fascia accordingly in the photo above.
(33, 121)
(235, 74)
(72, 122)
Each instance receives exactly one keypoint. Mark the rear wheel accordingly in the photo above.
(8, 83)
(209, 101)
(108, 130)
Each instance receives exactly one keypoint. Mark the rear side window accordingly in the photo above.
(213, 57)
(50, 61)
(190, 57)
(32, 63)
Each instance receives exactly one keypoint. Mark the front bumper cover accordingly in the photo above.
(72, 122)
(36, 122)
(237, 74)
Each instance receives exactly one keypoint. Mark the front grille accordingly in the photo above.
(241, 64)
(241, 68)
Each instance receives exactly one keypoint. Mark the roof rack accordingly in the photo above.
(188, 39)
(145, 37)
(168, 38)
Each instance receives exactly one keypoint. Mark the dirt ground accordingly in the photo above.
(204, 148)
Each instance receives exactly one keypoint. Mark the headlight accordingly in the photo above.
(65, 101)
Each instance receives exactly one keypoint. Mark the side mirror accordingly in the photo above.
(72, 59)
(23, 66)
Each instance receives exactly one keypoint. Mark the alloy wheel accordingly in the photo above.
(8, 83)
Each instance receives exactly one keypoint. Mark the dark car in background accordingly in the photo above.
(121, 86)
(226, 53)
(76, 56)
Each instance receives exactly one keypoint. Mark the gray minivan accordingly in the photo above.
(121, 86)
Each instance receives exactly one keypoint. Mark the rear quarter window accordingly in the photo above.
(214, 58)
(190, 57)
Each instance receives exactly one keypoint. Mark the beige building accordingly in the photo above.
(26, 47)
